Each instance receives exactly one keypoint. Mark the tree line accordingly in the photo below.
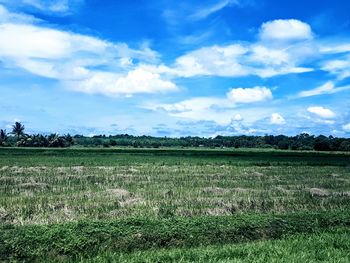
(17, 137)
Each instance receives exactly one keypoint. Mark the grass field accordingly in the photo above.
(174, 205)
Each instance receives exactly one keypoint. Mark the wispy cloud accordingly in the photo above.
(327, 88)
(203, 13)
(55, 7)
(9, 17)
(339, 67)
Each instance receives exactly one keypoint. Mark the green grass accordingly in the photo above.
(86, 238)
(130, 156)
(330, 246)
(78, 203)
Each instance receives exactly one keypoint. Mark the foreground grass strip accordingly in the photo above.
(82, 239)
(332, 246)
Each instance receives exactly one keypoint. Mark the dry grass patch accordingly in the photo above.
(215, 190)
(119, 193)
(319, 192)
(5, 216)
(257, 174)
(241, 190)
(217, 211)
(33, 185)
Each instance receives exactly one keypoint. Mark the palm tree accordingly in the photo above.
(3, 137)
(18, 129)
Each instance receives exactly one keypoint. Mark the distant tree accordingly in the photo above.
(113, 143)
(345, 146)
(69, 141)
(55, 140)
(322, 143)
(3, 137)
(18, 130)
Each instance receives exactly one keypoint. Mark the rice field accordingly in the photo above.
(64, 188)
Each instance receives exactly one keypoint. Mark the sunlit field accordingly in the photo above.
(178, 205)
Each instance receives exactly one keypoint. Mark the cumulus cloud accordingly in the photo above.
(237, 117)
(110, 84)
(208, 108)
(214, 60)
(52, 44)
(346, 127)
(321, 112)
(327, 88)
(249, 95)
(235, 60)
(44, 43)
(285, 30)
(69, 57)
(220, 110)
(277, 118)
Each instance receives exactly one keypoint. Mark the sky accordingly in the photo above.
(176, 68)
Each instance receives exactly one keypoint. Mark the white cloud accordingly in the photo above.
(269, 56)
(57, 7)
(126, 61)
(237, 117)
(194, 104)
(335, 48)
(249, 95)
(110, 84)
(52, 44)
(327, 88)
(321, 112)
(346, 127)
(328, 121)
(285, 30)
(67, 57)
(214, 60)
(219, 110)
(6, 16)
(277, 118)
(51, 5)
(207, 11)
(44, 43)
(241, 59)
(338, 67)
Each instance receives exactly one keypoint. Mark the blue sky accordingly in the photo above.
(176, 68)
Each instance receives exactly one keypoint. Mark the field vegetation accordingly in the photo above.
(173, 205)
